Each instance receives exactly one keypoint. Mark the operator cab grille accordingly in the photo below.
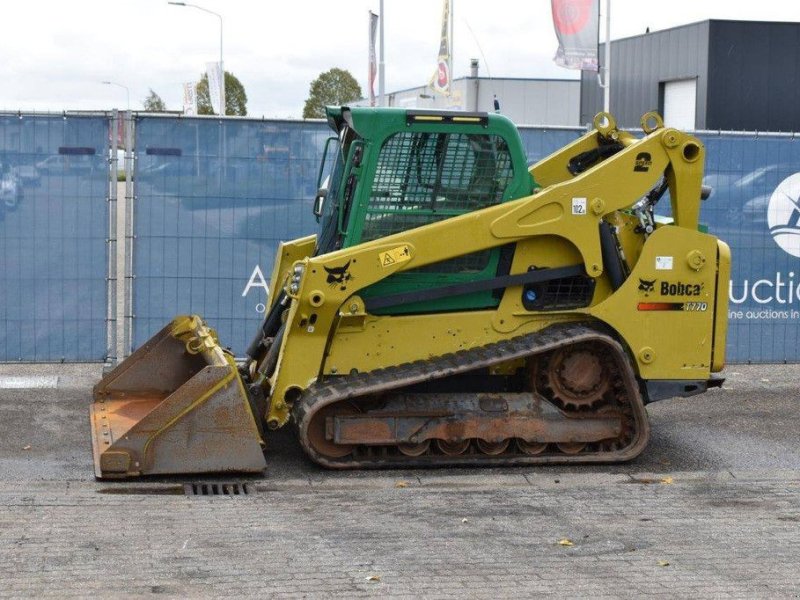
(424, 177)
(563, 293)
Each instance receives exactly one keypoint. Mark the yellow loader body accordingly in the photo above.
(592, 308)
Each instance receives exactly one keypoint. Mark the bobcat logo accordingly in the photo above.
(339, 276)
(647, 286)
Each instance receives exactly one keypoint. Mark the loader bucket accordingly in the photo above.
(176, 405)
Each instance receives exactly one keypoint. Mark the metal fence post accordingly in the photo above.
(113, 246)
(129, 234)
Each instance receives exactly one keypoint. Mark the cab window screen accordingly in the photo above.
(422, 178)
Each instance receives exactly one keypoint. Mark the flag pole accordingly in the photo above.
(607, 61)
(372, 67)
(450, 58)
(382, 64)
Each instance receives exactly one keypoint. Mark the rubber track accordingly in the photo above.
(350, 387)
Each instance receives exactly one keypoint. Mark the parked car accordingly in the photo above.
(28, 175)
(68, 164)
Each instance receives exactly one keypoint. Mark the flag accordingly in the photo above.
(190, 99)
(577, 28)
(373, 62)
(440, 82)
(214, 83)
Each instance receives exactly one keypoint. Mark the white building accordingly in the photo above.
(524, 101)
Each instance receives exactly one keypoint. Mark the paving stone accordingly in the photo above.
(717, 496)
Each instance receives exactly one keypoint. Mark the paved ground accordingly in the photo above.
(712, 508)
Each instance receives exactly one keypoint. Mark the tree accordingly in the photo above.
(235, 96)
(154, 103)
(333, 87)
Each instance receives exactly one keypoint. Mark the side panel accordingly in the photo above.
(665, 317)
(665, 309)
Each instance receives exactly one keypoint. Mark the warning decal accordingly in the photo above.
(394, 256)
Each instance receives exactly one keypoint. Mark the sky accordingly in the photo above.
(56, 53)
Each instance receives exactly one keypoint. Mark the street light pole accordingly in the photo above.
(125, 87)
(221, 64)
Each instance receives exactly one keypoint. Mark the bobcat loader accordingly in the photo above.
(457, 307)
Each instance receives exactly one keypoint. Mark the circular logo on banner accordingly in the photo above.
(443, 76)
(571, 16)
(783, 215)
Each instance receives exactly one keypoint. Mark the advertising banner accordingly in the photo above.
(576, 23)
(440, 82)
(214, 84)
(373, 62)
(755, 208)
(190, 99)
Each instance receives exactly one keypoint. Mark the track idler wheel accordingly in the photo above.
(493, 448)
(414, 449)
(452, 448)
(318, 434)
(531, 448)
(571, 448)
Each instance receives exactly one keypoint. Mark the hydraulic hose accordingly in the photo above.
(611, 261)
(269, 327)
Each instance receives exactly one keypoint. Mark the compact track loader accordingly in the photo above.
(457, 307)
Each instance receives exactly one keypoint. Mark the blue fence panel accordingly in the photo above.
(53, 231)
(755, 209)
(207, 227)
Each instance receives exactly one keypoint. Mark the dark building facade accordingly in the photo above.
(719, 75)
